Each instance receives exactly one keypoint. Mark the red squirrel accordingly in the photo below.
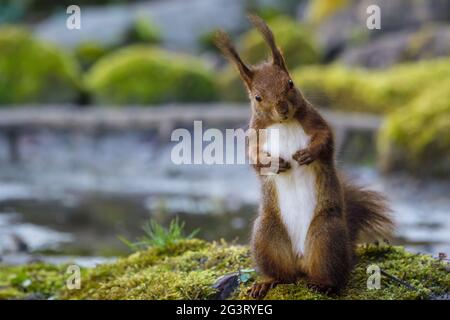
(310, 216)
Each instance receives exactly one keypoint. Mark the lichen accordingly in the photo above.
(189, 268)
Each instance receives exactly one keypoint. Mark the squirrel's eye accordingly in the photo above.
(291, 83)
(258, 98)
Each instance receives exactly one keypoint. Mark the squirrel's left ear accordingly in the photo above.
(277, 56)
(223, 42)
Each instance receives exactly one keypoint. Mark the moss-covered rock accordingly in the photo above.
(188, 269)
(206, 41)
(319, 10)
(333, 86)
(21, 281)
(354, 89)
(143, 30)
(295, 40)
(362, 90)
(87, 53)
(416, 138)
(231, 87)
(33, 71)
(145, 75)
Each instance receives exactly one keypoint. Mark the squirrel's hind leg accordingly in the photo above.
(327, 259)
(273, 256)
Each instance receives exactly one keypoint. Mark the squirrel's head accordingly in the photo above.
(273, 95)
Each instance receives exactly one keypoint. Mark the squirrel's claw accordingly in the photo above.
(304, 157)
(283, 165)
(260, 289)
(320, 288)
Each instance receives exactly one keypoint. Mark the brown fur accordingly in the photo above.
(343, 210)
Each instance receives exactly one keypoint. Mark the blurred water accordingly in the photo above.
(75, 193)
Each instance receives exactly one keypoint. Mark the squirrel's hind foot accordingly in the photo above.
(260, 289)
(324, 289)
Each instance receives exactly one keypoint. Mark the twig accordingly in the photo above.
(398, 280)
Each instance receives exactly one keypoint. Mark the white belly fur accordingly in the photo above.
(296, 187)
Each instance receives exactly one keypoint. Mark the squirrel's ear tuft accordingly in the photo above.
(223, 42)
(277, 56)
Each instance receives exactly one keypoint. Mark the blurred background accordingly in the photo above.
(86, 115)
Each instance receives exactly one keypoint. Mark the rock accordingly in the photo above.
(380, 53)
(335, 33)
(107, 24)
(226, 285)
(17, 237)
(346, 27)
(401, 46)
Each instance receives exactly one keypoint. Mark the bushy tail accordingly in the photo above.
(368, 214)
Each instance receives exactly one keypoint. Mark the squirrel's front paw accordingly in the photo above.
(304, 156)
(276, 167)
(283, 166)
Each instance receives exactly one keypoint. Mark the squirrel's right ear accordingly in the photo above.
(223, 42)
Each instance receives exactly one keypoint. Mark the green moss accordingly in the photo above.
(88, 53)
(10, 293)
(402, 83)
(319, 10)
(425, 273)
(364, 90)
(268, 12)
(231, 86)
(416, 138)
(21, 281)
(184, 270)
(354, 89)
(206, 41)
(143, 30)
(33, 71)
(188, 269)
(144, 75)
(295, 40)
(334, 86)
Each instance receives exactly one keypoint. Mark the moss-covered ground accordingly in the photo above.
(189, 268)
